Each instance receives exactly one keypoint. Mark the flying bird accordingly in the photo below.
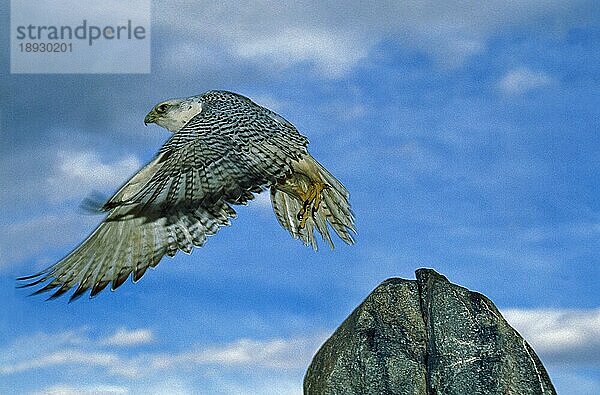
(224, 149)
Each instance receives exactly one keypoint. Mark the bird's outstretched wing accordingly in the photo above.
(230, 150)
(129, 242)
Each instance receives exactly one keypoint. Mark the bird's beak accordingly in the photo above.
(150, 118)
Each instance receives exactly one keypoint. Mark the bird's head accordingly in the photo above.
(173, 114)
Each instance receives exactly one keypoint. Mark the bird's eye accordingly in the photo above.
(162, 108)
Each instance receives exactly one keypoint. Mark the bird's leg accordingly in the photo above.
(319, 197)
(311, 201)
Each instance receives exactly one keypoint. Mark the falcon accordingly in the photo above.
(224, 150)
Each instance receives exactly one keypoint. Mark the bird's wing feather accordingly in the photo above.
(126, 243)
(230, 150)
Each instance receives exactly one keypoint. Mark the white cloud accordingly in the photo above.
(559, 336)
(73, 348)
(294, 353)
(24, 348)
(32, 237)
(75, 174)
(522, 80)
(67, 356)
(335, 36)
(126, 337)
(168, 385)
(78, 349)
(333, 53)
(97, 389)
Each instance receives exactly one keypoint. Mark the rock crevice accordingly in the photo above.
(426, 336)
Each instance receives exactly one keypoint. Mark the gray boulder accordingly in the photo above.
(426, 336)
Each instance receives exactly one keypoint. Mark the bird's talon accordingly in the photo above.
(311, 203)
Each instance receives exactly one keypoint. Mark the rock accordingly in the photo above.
(380, 347)
(426, 336)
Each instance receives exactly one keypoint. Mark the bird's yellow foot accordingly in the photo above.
(311, 201)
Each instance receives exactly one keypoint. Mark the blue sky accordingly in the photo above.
(467, 135)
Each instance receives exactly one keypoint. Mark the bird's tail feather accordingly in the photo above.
(333, 210)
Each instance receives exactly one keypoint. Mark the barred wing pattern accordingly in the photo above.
(127, 243)
(230, 150)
